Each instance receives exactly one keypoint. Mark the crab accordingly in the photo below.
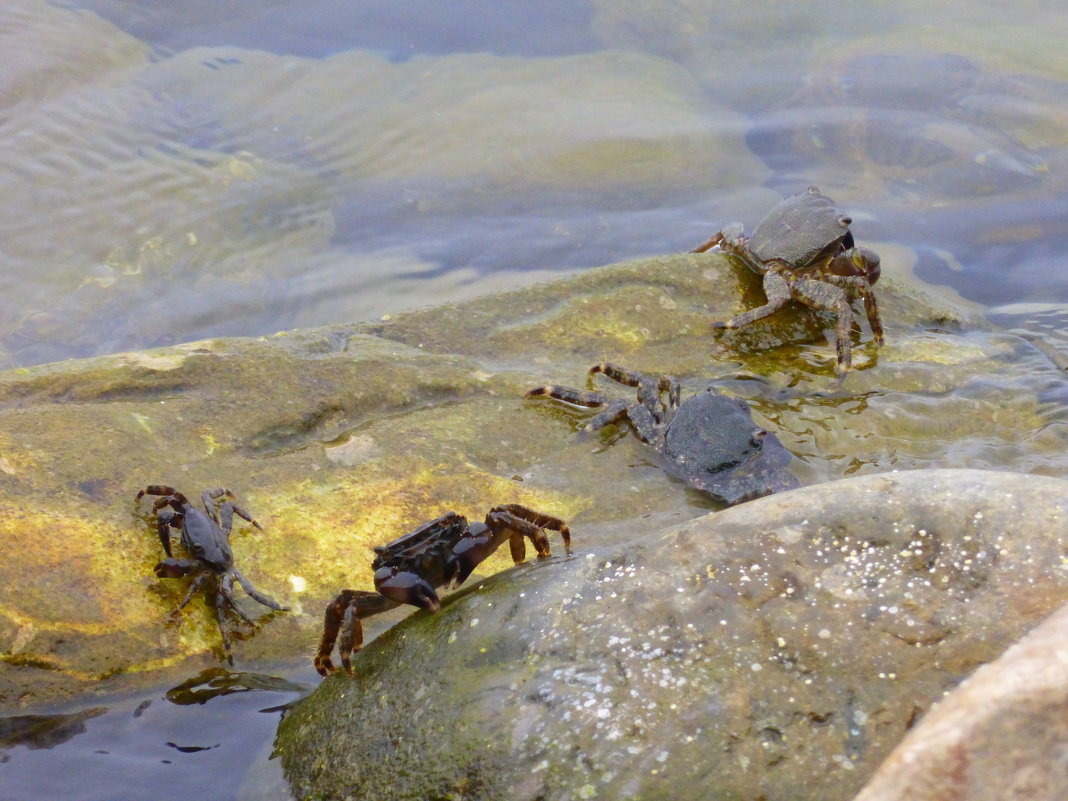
(709, 440)
(440, 553)
(805, 251)
(206, 537)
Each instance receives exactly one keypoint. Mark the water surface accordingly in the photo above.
(192, 170)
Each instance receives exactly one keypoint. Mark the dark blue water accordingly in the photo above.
(207, 739)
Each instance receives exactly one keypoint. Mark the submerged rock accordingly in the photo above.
(774, 650)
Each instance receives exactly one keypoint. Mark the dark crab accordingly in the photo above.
(709, 440)
(440, 553)
(805, 251)
(206, 537)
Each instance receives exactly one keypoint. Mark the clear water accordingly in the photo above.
(195, 168)
(191, 168)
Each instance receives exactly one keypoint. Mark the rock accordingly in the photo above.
(776, 650)
(1001, 735)
(338, 439)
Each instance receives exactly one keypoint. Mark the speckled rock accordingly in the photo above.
(1001, 736)
(774, 650)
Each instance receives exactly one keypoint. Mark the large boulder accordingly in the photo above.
(773, 650)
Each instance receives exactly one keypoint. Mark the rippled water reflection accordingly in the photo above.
(177, 171)
(197, 740)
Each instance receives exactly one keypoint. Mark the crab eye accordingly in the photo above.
(757, 436)
(845, 222)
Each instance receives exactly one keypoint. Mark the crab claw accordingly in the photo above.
(472, 550)
(176, 568)
(858, 261)
(406, 587)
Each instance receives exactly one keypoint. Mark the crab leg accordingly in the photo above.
(578, 397)
(226, 591)
(827, 297)
(777, 291)
(343, 616)
(616, 411)
(649, 388)
(539, 519)
(161, 489)
(859, 287)
(708, 244)
(193, 587)
(219, 598)
(255, 594)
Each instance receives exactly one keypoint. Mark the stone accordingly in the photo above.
(778, 649)
(1002, 735)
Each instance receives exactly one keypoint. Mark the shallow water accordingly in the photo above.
(201, 170)
(177, 170)
(197, 740)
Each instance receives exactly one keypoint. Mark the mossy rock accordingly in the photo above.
(775, 650)
(341, 438)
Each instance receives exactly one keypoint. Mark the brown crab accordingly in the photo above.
(805, 251)
(206, 537)
(439, 553)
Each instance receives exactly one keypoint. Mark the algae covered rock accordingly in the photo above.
(773, 650)
(338, 439)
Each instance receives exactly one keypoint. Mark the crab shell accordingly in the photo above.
(802, 231)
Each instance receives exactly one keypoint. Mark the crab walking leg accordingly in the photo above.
(708, 244)
(649, 387)
(777, 292)
(617, 410)
(161, 489)
(255, 594)
(226, 590)
(826, 297)
(222, 624)
(632, 378)
(539, 519)
(194, 585)
(731, 239)
(857, 287)
(577, 397)
(871, 309)
(343, 616)
(227, 509)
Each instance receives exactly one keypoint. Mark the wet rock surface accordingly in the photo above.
(342, 438)
(1001, 736)
(774, 650)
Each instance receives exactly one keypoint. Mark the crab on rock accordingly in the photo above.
(206, 537)
(709, 440)
(440, 553)
(805, 251)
